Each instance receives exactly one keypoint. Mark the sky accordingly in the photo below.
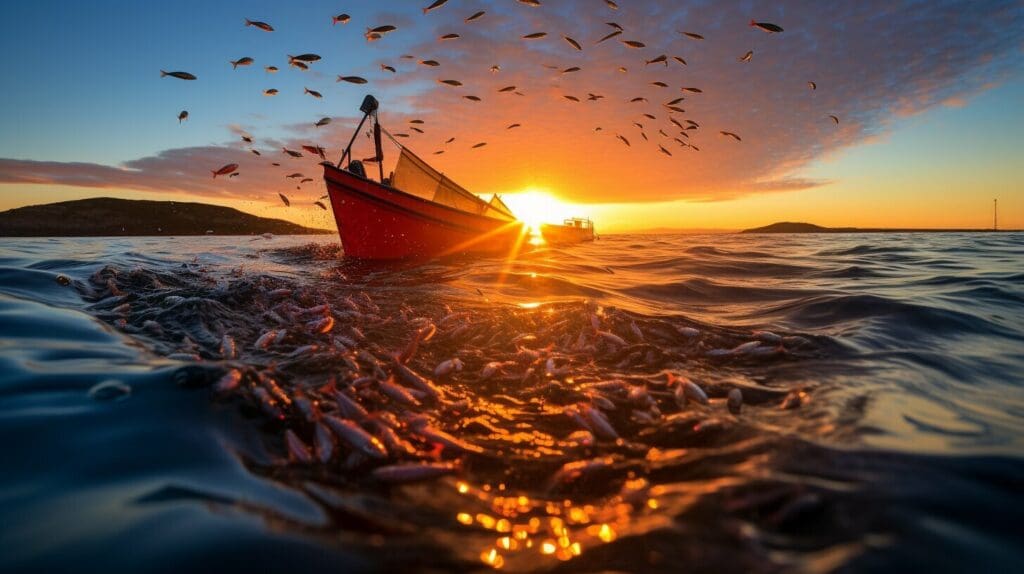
(928, 96)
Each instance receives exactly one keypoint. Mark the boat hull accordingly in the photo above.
(564, 234)
(379, 222)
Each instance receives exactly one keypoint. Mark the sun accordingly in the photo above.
(534, 206)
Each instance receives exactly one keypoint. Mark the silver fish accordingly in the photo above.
(413, 472)
(296, 448)
(356, 437)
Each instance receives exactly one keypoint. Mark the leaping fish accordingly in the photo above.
(435, 5)
(261, 25)
(766, 26)
(225, 170)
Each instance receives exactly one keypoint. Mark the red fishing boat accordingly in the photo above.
(417, 212)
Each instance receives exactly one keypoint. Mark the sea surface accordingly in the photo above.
(254, 405)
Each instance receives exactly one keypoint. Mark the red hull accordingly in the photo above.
(379, 222)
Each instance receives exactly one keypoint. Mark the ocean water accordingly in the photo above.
(881, 425)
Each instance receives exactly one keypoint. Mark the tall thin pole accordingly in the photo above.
(995, 215)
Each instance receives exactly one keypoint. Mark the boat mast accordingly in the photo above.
(368, 107)
(995, 215)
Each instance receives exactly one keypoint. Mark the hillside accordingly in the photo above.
(790, 227)
(105, 216)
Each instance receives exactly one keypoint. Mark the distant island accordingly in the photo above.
(104, 216)
(796, 227)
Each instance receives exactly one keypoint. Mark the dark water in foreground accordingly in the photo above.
(882, 424)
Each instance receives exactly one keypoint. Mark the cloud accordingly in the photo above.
(873, 62)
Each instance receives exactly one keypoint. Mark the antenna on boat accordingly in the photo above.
(995, 215)
(368, 107)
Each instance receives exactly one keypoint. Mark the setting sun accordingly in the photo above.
(534, 206)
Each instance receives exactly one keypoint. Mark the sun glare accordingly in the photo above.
(534, 206)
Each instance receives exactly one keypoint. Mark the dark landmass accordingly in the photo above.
(792, 227)
(104, 216)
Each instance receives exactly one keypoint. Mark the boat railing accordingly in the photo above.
(578, 222)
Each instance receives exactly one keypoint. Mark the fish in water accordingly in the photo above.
(662, 59)
(512, 126)
(633, 44)
(179, 75)
(571, 70)
(225, 170)
(270, 92)
(472, 98)
(507, 89)
(387, 68)
(451, 36)
(481, 144)
(834, 119)
(313, 93)
(735, 401)
(430, 63)
(533, 3)
(692, 90)
(320, 204)
(813, 86)
(455, 83)
(284, 199)
(343, 18)
(292, 153)
(766, 26)
(475, 17)
(571, 98)
(356, 437)
(351, 79)
(244, 61)
(611, 4)
(413, 471)
(322, 122)
(624, 140)
(297, 64)
(435, 5)
(535, 36)
(297, 450)
(182, 116)
(746, 57)
(261, 25)
(228, 350)
(304, 58)
(572, 43)
(692, 35)
(731, 135)
(495, 69)
(270, 69)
